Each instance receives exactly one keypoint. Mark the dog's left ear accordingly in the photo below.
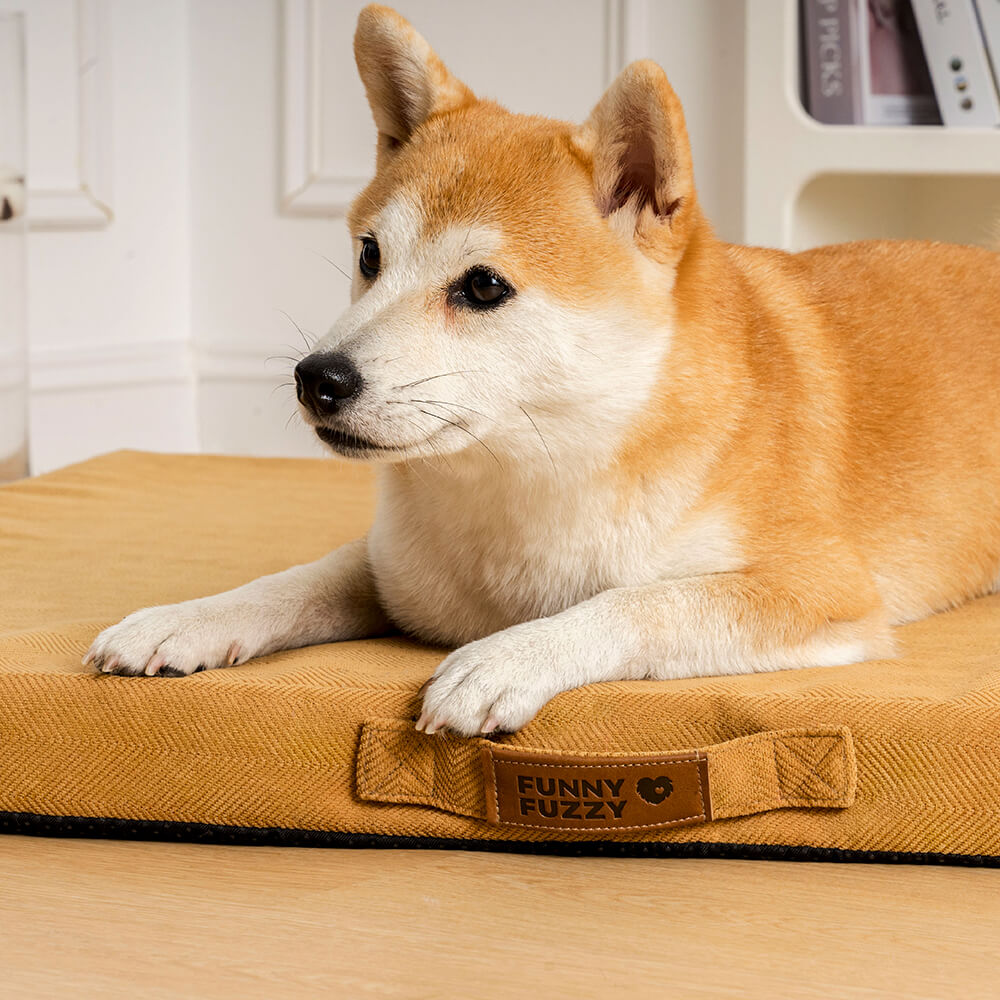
(404, 79)
(641, 156)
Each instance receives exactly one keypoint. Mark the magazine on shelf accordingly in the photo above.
(896, 86)
(830, 47)
(989, 22)
(956, 56)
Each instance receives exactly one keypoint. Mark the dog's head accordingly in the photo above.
(512, 276)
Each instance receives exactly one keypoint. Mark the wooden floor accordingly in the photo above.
(116, 919)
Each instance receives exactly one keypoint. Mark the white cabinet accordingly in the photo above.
(808, 184)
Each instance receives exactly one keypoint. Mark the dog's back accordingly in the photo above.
(893, 360)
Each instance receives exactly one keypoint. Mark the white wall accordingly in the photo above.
(701, 46)
(108, 258)
(204, 151)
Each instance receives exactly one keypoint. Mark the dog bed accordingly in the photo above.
(895, 760)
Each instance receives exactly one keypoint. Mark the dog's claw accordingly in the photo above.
(490, 725)
(153, 667)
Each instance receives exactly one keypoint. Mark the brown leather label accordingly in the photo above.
(559, 792)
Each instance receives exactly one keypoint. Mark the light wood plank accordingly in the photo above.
(120, 919)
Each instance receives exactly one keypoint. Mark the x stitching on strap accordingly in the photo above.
(813, 769)
(403, 763)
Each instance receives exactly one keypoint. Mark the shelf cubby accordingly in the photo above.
(808, 184)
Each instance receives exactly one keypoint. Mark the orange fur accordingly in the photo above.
(839, 404)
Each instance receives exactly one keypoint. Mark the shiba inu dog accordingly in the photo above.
(610, 445)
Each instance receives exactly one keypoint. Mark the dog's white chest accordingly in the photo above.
(455, 567)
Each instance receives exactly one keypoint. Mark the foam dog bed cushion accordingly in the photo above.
(896, 760)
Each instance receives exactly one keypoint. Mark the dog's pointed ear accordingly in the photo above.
(404, 79)
(641, 158)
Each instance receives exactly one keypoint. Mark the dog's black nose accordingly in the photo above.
(324, 382)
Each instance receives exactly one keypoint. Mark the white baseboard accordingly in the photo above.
(246, 406)
(236, 363)
(162, 362)
(162, 396)
(89, 400)
(167, 362)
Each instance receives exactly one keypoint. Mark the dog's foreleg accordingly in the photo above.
(726, 623)
(331, 599)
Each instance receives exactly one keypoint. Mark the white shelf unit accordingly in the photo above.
(808, 184)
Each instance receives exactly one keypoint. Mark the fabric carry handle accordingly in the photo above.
(536, 788)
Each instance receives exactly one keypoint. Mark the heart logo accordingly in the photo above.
(654, 790)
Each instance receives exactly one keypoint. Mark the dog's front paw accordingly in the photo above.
(496, 683)
(172, 640)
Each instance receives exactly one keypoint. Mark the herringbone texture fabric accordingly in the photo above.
(275, 743)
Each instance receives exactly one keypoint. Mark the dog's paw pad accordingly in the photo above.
(168, 671)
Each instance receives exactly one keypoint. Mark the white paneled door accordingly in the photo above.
(192, 161)
(550, 58)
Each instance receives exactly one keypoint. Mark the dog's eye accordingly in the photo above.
(370, 257)
(483, 289)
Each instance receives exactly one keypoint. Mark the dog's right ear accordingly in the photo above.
(404, 79)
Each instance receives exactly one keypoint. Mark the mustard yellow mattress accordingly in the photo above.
(896, 760)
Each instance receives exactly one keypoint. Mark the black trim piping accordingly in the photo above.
(33, 824)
